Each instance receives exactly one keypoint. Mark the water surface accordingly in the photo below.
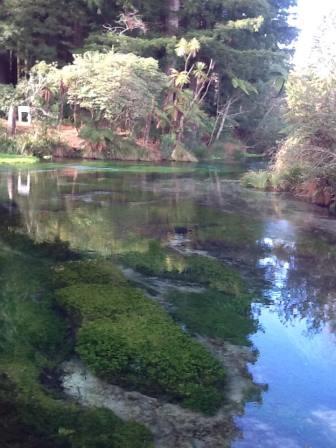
(284, 249)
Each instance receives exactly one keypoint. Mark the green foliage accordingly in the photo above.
(311, 108)
(7, 98)
(128, 339)
(260, 180)
(38, 144)
(39, 29)
(193, 268)
(167, 145)
(119, 88)
(286, 179)
(8, 145)
(216, 315)
(98, 139)
(27, 147)
(242, 37)
(309, 151)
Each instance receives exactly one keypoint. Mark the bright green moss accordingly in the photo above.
(216, 315)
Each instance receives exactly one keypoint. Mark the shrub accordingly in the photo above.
(260, 180)
(39, 144)
(7, 98)
(167, 144)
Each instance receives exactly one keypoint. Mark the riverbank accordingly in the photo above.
(67, 142)
(14, 159)
(319, 191)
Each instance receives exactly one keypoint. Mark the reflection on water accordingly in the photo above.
(285, 250)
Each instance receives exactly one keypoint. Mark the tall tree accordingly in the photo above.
(173, 19)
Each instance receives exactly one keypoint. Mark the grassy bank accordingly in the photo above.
(15, 159)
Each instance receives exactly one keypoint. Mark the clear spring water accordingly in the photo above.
(285, 250)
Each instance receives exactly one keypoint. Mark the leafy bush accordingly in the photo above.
(98, 139)
(119, 88)
(36, 145)
(167, 144)
(260, 180)
(8, 145)
(284, 180)
(7, 98)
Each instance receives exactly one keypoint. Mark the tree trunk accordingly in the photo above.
(173, 16)
(11, 122)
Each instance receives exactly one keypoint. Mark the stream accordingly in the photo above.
(283, 358)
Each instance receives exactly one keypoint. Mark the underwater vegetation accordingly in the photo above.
(192, 268)
(216, 315)
(128, 339)
(34, 341)
(223, 310)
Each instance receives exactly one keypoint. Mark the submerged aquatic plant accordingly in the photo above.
(34, 341)
(193, 268)
(216, 315)
(128, 339)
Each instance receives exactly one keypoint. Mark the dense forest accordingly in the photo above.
(145, 80)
